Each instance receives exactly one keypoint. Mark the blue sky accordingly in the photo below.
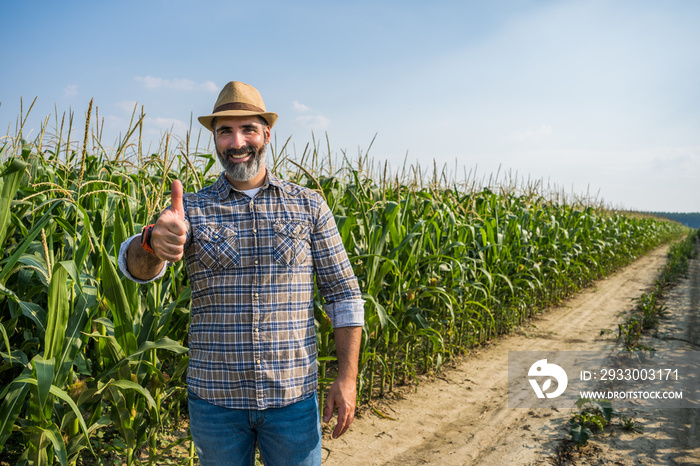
(590, 96)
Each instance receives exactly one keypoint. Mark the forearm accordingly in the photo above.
(347, 344)
(140, 263)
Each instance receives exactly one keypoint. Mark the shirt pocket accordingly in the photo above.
(217, 246)
(292, 245)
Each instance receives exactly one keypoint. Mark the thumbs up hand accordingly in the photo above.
(170, 231)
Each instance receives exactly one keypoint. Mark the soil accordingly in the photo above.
(462, 416)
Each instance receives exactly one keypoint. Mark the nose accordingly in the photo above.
(237, 139)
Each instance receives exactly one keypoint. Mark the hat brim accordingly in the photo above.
(270, 117)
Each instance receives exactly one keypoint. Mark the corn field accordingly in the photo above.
(93, 364)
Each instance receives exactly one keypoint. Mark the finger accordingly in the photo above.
(342, 422)
(176, 199)
(172, 249)
(168, 247)
(350, 417)
(165, 254)
(328, 410)
(170, 229)
(170, 256)
(175, 234)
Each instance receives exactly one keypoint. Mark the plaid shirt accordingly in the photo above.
(251, 265)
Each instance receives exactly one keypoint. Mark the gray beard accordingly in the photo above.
(242, 171)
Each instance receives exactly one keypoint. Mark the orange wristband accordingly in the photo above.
(146, 238)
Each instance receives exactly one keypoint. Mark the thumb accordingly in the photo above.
(176, 199)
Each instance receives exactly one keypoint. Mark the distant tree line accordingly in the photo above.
(690, 219)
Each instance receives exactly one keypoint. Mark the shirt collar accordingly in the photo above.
(223, 188)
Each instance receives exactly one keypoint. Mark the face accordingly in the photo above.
(240, 146)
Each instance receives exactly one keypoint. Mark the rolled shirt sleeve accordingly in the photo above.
(335, 277)
(348, 313)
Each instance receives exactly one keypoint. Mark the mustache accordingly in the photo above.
(242, 151)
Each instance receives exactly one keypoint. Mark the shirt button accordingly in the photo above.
(257, 361)
(256, 295)
(255, 230)
(256, 262)
(257, 330)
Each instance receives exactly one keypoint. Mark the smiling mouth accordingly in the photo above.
(240, 158)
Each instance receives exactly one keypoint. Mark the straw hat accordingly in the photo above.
(238, 99)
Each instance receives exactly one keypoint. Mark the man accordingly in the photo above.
(252, 245)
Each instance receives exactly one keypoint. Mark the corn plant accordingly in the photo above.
(444, 266)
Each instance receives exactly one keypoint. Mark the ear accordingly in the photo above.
(268, 134)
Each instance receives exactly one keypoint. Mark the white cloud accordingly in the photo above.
(149, 81)
(209, 87)
(177, 84)
(314, 122)
(70, 90)
(532, 134)
(310, 120)
(299, 107)
(160, 124)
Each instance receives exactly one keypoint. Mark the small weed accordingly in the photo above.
(649, 308)
(631, 425)
(595, 414)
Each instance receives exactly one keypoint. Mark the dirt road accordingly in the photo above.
(463, 417)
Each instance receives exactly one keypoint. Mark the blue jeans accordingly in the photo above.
(285, 436)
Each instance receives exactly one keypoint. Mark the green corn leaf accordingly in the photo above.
(11, 406)
(87, 240)
(10, 181)
(43, 373)
(72, 340)
(72, 270)
(6, 339)
(130, 218)
(129, 385)
(38, 263)
(109, 326)
(164, 343)
(35, 454)
(381, 312)
(131, 288)
(8, 292)
(83, 249)
(116, 354)
(57, 316)
(119, 232)
(119, 304)
(36, 313)
(59, 447)
(181, 368)
(9, 264)
(167, 315)
(54, 390)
